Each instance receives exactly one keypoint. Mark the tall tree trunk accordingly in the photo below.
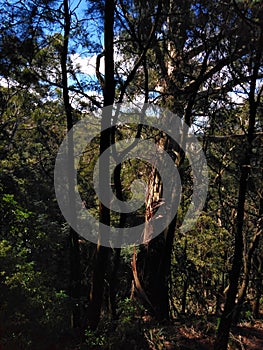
(258, 265)
(258, 286)
(117, 251)
(226, 318)
(102, 254)
(73, 236)
(248, 262)
(154, 264)
(247, 269)
(154, 258)
(222, 337)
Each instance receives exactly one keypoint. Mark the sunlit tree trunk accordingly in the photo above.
(154, 258)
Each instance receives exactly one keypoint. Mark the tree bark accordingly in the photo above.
(247, 269)
(154, 258)
(117, 251)
(258, 287)
(102, 254)
(73, 236)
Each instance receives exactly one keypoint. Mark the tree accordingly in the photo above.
(188, 69)
(254, 100)
(75, 278)
(96, 296)
(192, 57)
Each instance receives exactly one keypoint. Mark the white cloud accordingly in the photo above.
(7, 83)
(87, 65)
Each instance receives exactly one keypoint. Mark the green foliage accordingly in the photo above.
(129, 310)
(31, 309)
(121, 333)
(35, 307)
(93, 339)
(199, 260)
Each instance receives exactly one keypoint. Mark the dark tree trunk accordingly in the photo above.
(185, 282)
(248, 264)
(102, 254)
(249, 257)
(230, 305)
(258, 287)
(226, 318)
(161, 286)
(73, 236)
(153, 265)
(114, 282)
(117, 251)
(258, 273)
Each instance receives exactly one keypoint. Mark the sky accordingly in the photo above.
(87, 62)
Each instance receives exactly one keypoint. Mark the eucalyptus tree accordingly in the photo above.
(187, 68)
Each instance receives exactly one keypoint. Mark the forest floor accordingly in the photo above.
(200, 336)
(189, 333)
